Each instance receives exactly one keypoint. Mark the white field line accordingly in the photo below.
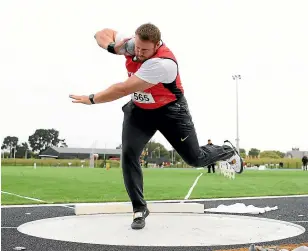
(29, 198)
(192, 187)
(24, 197)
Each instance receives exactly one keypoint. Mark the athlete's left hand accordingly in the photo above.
(81, 99)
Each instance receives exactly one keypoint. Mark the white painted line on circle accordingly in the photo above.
(67, 207)
(19, 248)
(154, 201)
(8, 227)
(192, 187)
(162, 229)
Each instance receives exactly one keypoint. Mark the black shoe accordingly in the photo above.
(139, 219)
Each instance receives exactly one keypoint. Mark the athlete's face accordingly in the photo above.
(144, 49)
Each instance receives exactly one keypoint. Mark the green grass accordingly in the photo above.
(254, 183)
(65, 185)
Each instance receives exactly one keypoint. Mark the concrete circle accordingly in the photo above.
(162, 229)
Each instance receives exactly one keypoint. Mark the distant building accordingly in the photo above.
(296, 153)
(79, 153)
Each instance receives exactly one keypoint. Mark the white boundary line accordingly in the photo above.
(29, 198)
(158, 201)
(25, 197)
(192, 187)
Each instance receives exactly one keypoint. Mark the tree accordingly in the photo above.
(22, 151)
(155, 149)
(44, 138)
(10, 143)
(242, 153)
(254, 152)
(62, 143)
(281, 154)
(270, 154)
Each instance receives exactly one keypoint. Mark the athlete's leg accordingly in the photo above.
(177, 127)
(209, 168)
(138, 129)
(213, 167)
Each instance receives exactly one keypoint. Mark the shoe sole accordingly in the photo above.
(138, 227)
(236, 152)
(242, 167)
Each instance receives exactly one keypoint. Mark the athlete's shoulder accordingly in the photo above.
(165, 52)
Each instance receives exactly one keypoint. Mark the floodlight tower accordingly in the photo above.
(237, 78)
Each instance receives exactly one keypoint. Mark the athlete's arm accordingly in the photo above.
(119, 90)
(151, 72)
(115, 91)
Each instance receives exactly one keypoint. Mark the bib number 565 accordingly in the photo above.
(141, 97)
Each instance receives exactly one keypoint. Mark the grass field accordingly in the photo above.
(65, 185)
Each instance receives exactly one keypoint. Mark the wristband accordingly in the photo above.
(110, 48)
(91, 97)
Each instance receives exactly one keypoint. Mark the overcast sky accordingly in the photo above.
(48, 52)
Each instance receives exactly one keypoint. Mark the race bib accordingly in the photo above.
(143, 97)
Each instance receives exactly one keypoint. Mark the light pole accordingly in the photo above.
(158, 151)
(237, 78)
(105, 154)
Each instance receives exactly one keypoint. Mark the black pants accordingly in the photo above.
(175, 123)
(211, 166)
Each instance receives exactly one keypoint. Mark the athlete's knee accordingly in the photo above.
(125, 153)
(129, 156)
